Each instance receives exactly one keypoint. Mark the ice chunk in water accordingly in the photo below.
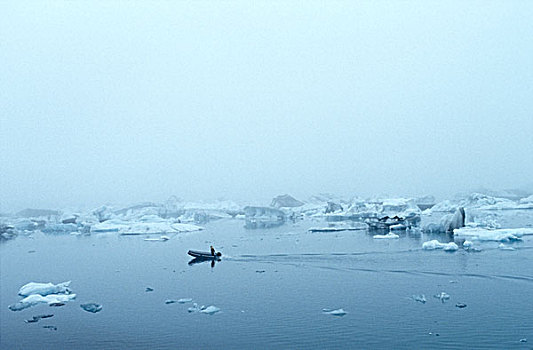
(210, 310)
(420, 298)
(184, 300)
(91, 307)
(387, 236)
(442, 296)
(505, 247)
(434, 244)
(34, 299)
(37, 318)
(194, 308)
(336, 312)
(498, 235)
(44, 288)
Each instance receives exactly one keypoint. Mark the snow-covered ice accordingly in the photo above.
(209, 310)
(387, 236)
(44, 288)
(442, 296)
(34, 299)
(498, 235)
(435, 244)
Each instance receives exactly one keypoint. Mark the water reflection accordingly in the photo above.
(203, 260)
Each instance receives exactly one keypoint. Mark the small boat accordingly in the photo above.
(204, 255)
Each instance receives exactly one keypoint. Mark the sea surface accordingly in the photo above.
(271, 287)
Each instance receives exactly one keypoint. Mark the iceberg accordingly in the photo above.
(420, 298)
(505, 247)
(337, 312)
(34, 299)
(387, 236)
(38, 317)
(443, 296)
(434, 244)
(91, 307)
(355, 227)
(210, 310)
(44, 288)
(139, 228)
(498, 235)
(285, 201)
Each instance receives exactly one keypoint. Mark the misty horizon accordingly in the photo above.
(132, 102)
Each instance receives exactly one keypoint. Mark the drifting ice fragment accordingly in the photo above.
(420, 298)
(194, 308)
(44, 288)
(210, 310)
(184, 300)
(337, 312)
(387, 236)
(434, 244)
(442, 296)
(37, 318)
(34, 299)
(523, 340)
(498, 235)
(170, 301)
(460, 305)
(505, 247)
(91, 307)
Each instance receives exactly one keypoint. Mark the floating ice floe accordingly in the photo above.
(209, 310)
(160, 239)
(91, 307)
(37, 318)
(138, 228)
(442, 296)
(420, 298)
(336, 312)
(44, 288)
(505, 247)
(356, 227)
(184, 300)
(387, 236)
(434, 244)
(34, 299)
(498, 235)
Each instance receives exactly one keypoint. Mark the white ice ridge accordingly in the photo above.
(434, 244)
(44, 288)
(35, 299)
(498, 235)
(138, 228)
(387, 236)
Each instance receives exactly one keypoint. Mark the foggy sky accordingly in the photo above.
(128, 101)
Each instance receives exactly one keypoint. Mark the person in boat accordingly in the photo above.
(213, 251)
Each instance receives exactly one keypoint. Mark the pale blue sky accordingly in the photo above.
(135, 101)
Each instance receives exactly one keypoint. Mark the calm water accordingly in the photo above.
(271, 287)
